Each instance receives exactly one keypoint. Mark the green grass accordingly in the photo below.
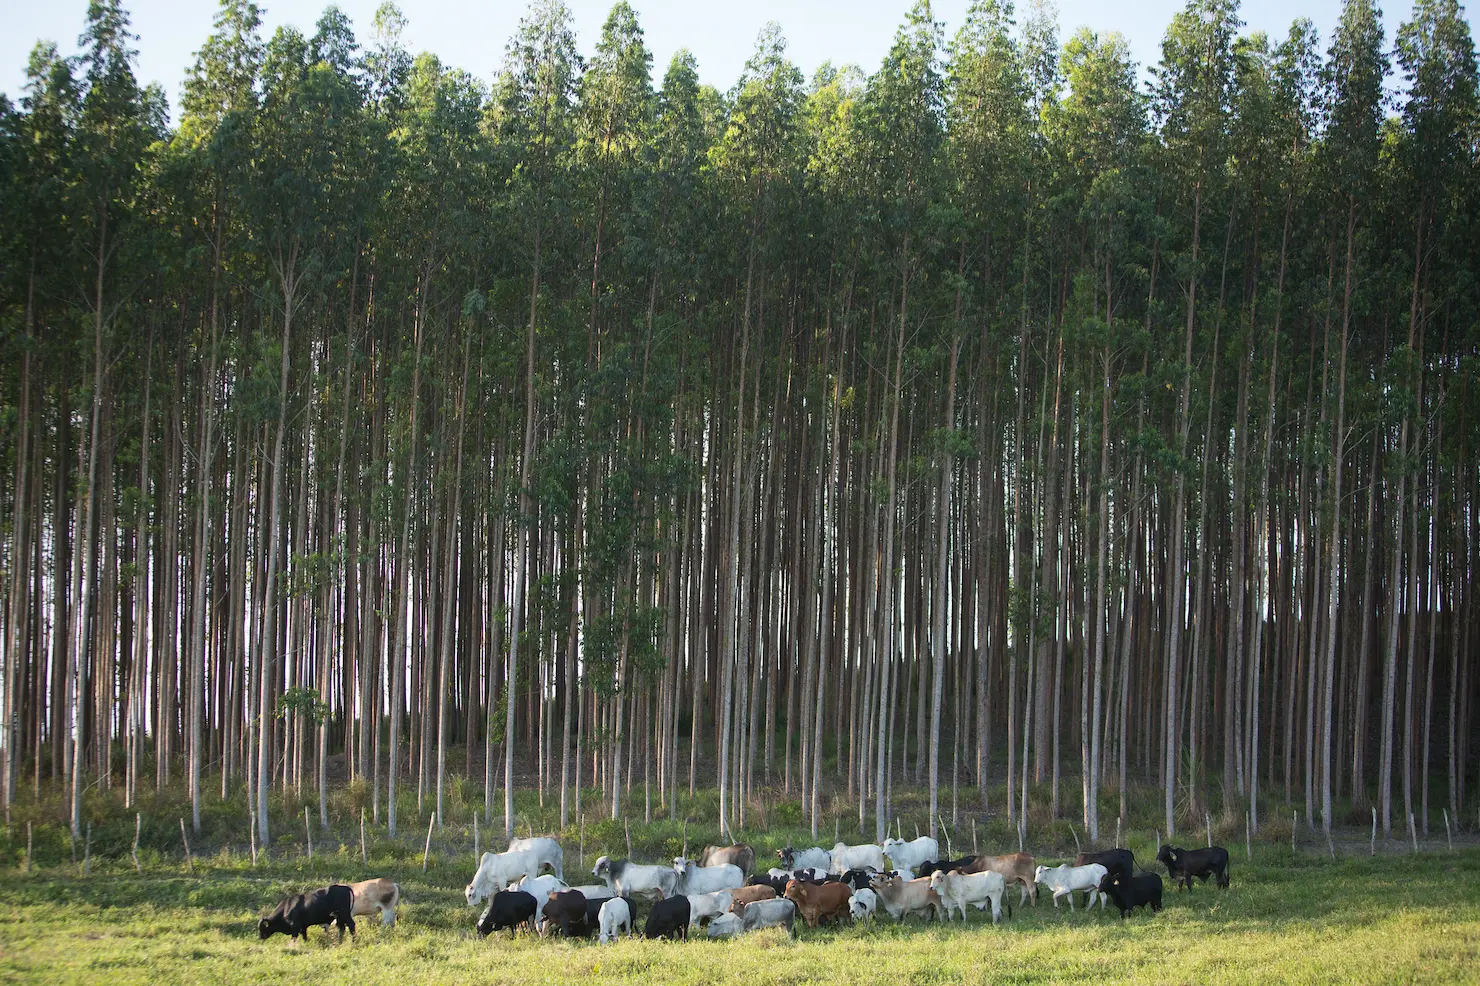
(1393, 919)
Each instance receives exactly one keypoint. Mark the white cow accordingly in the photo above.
(548, 851)
(703, 907)
(863, 905)
(846, 857)
(800, 859)
(615, 916)
(595, 891)
(497, 870)
(1064, 880)
(775, 913)
(627, 878)
(911, 855)
(539, 887)
(958, 889)
(695, 879)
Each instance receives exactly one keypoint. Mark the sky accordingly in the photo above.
(471, 36)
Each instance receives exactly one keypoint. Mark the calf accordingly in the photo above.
(702, 907)
(863, 905)
(749, 895)
(819, 901)
(565, 909)
(1121, 861)
(1129, 893)
(377, 895)
(776, 913)
(669, 919)
(615, 915)
(294, 916)
(902, 897)
(1064, 880)
(792, 859)
(507, 909)
(739, 855)
(959, 889)
(1015, 867)
(1184, 864)
(913, 855)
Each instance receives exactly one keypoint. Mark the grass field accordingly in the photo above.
(1287, 918)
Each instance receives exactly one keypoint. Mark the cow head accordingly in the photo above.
(681, 865)
(726, 926)
(1109, 883)
(275, 925)
(1038, 874)
(474, 893)
(787, 856)
(796, 891)
(603, 870)
(1167, 855)
(890, 846)
(937, 879)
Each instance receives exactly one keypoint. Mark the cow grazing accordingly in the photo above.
(294, 916)
(1015, 867)
(628, 879)
(694, 879)
(902, 898)
(863, 905)
(614, 917)
(739, 855)
(817, 902)
(846, 857)
(730, 925)
(958, 889)
(795, 859)
(1128, 893)
(508, 909)
(749, 895)
(565, 909)
(669, 919)
(1184, 864)
(1064, 880)
(913, 855)
(376, 895)
(547, 851)
(496, 870)
(1121, 861)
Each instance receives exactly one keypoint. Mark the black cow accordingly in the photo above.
(1121, 861)
(944, 866)
(507, 909)
(858, 879)
(776, 883)
(1128, 893)
(1184, 864)
(294, 916)
(566, 909)
(669, 919)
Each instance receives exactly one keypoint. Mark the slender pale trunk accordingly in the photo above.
(942, 591)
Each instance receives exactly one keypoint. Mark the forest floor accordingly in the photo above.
(1292, 918)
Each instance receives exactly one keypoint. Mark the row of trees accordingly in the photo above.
(989, 420)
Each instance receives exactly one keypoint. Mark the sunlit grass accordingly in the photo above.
(1394, 919)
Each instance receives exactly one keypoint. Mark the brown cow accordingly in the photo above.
(1015, 867)
(749, 895)
(817, 901)
(739, 855)
(380, 895)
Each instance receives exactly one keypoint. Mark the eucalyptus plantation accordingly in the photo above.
(989, 421)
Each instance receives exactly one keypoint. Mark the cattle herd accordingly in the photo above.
(719, 892)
